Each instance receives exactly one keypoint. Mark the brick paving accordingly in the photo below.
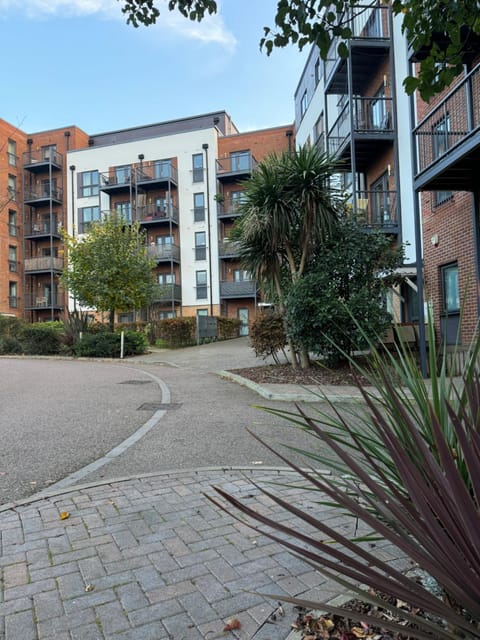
(150, 558)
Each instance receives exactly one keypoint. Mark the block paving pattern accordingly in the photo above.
(150, 559)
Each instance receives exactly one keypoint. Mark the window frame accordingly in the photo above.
(83, 225)
(198, 172)
(83, 187)
(200, 245)
(200, 286)
(199, 211)
(447, 308)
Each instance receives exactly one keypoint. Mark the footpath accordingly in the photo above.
(150, 558)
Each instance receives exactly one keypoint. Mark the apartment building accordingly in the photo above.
(182, 181)
(447, 177)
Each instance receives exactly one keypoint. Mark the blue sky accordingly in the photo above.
(76, 62)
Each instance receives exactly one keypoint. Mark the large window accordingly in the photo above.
(87, 184)
(124, 210)
(238, 197)
(201, 284)
(198, 167)
(240, 160)
(12, 223)
(12, 259)
(303, 103)
(200, 245)
(12, 295)
(12, 188)
(198, 207)
(241, 275)
(49, 152)
(87, 215)
(12, 153)
(166, 278)
(162, 168)
(122, 174)
(450, 290)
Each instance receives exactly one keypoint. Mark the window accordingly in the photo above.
(165, 315)
(200, 245)
(166, 278)
(49, 188)
(12, 223)
(303, 104)
(439, 197)
(380, 197)
(197, 162)
(12, 153)
(12, 259)
(12, 295)
(450, 290)
(198, 207)
(87, 215)
(201, 284)
(126, 317)
(162, 168)
(241, 275)
(12, 188)
(240, 160)
(237, 198)
(440, 135)
(122, 174)
(378, 110)
(320, 132)
(87, 184)
(124, 210)
(202, 313)
(164, 240)
(49, 152)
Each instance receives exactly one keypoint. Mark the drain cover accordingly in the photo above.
(157, 406)
(136, 382)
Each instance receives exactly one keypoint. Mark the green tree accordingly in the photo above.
(338, 306)
(288, 210)
(444, 33)
(109, 269)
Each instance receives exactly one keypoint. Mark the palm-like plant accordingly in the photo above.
(289, 208)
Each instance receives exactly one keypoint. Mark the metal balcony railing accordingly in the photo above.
(42, 157)
(228, 248)
(229, 206)
(167, 293)
(375, 209)
(156, 171)
(242, 288)
(154, 212)
(163, 252)
(454, 120)
(43, 192)
(44, 263)
(238, 163)
(43, 301)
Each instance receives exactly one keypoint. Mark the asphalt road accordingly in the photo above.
(59, 415)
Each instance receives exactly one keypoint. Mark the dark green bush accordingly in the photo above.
(10, 345)
(10, 326)
(107, 345)
(267, 334)
(178, 332)
(40, 339)
(227, 327)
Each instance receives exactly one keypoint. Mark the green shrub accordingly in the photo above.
(40, 339)
(10, 326)
(10, 345)
(107, 344)
(178, 332)
(267, 335)
(227, 327)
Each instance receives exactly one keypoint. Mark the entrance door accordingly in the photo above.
(242, 314)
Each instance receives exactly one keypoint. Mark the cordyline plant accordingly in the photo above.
(409, 469)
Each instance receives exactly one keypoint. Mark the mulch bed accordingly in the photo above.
(286, 374)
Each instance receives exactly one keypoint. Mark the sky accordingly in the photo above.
(76, 62)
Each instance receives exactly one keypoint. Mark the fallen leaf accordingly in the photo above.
(232, 623)
(89, 587)
(64, 515)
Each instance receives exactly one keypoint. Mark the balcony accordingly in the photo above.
(376, 210)
(42, 229)
(448, 140)
(156, 175)
(164, 252)
(117, 180)
(13, 302)
(152, 213)
(43, 302)
(241, 289)
(43, 195)
(45, 263)
(165, 293)
(228, 249)
(229, 208)
(372, 131)
(370, 43)
(41, 160)
(235, 167)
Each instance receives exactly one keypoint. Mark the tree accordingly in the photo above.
(443, 33)
(338, 306)
(109, 268)
(288, 210)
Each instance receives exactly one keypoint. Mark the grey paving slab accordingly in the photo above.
(112, 585)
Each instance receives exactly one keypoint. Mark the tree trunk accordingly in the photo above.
(111, 319)
(304, 359)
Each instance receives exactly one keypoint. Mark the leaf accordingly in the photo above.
(89, 587)
(231, 624)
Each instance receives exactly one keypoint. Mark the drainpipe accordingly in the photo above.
(205, 148)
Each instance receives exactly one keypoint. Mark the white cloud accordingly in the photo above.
(212, 29)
